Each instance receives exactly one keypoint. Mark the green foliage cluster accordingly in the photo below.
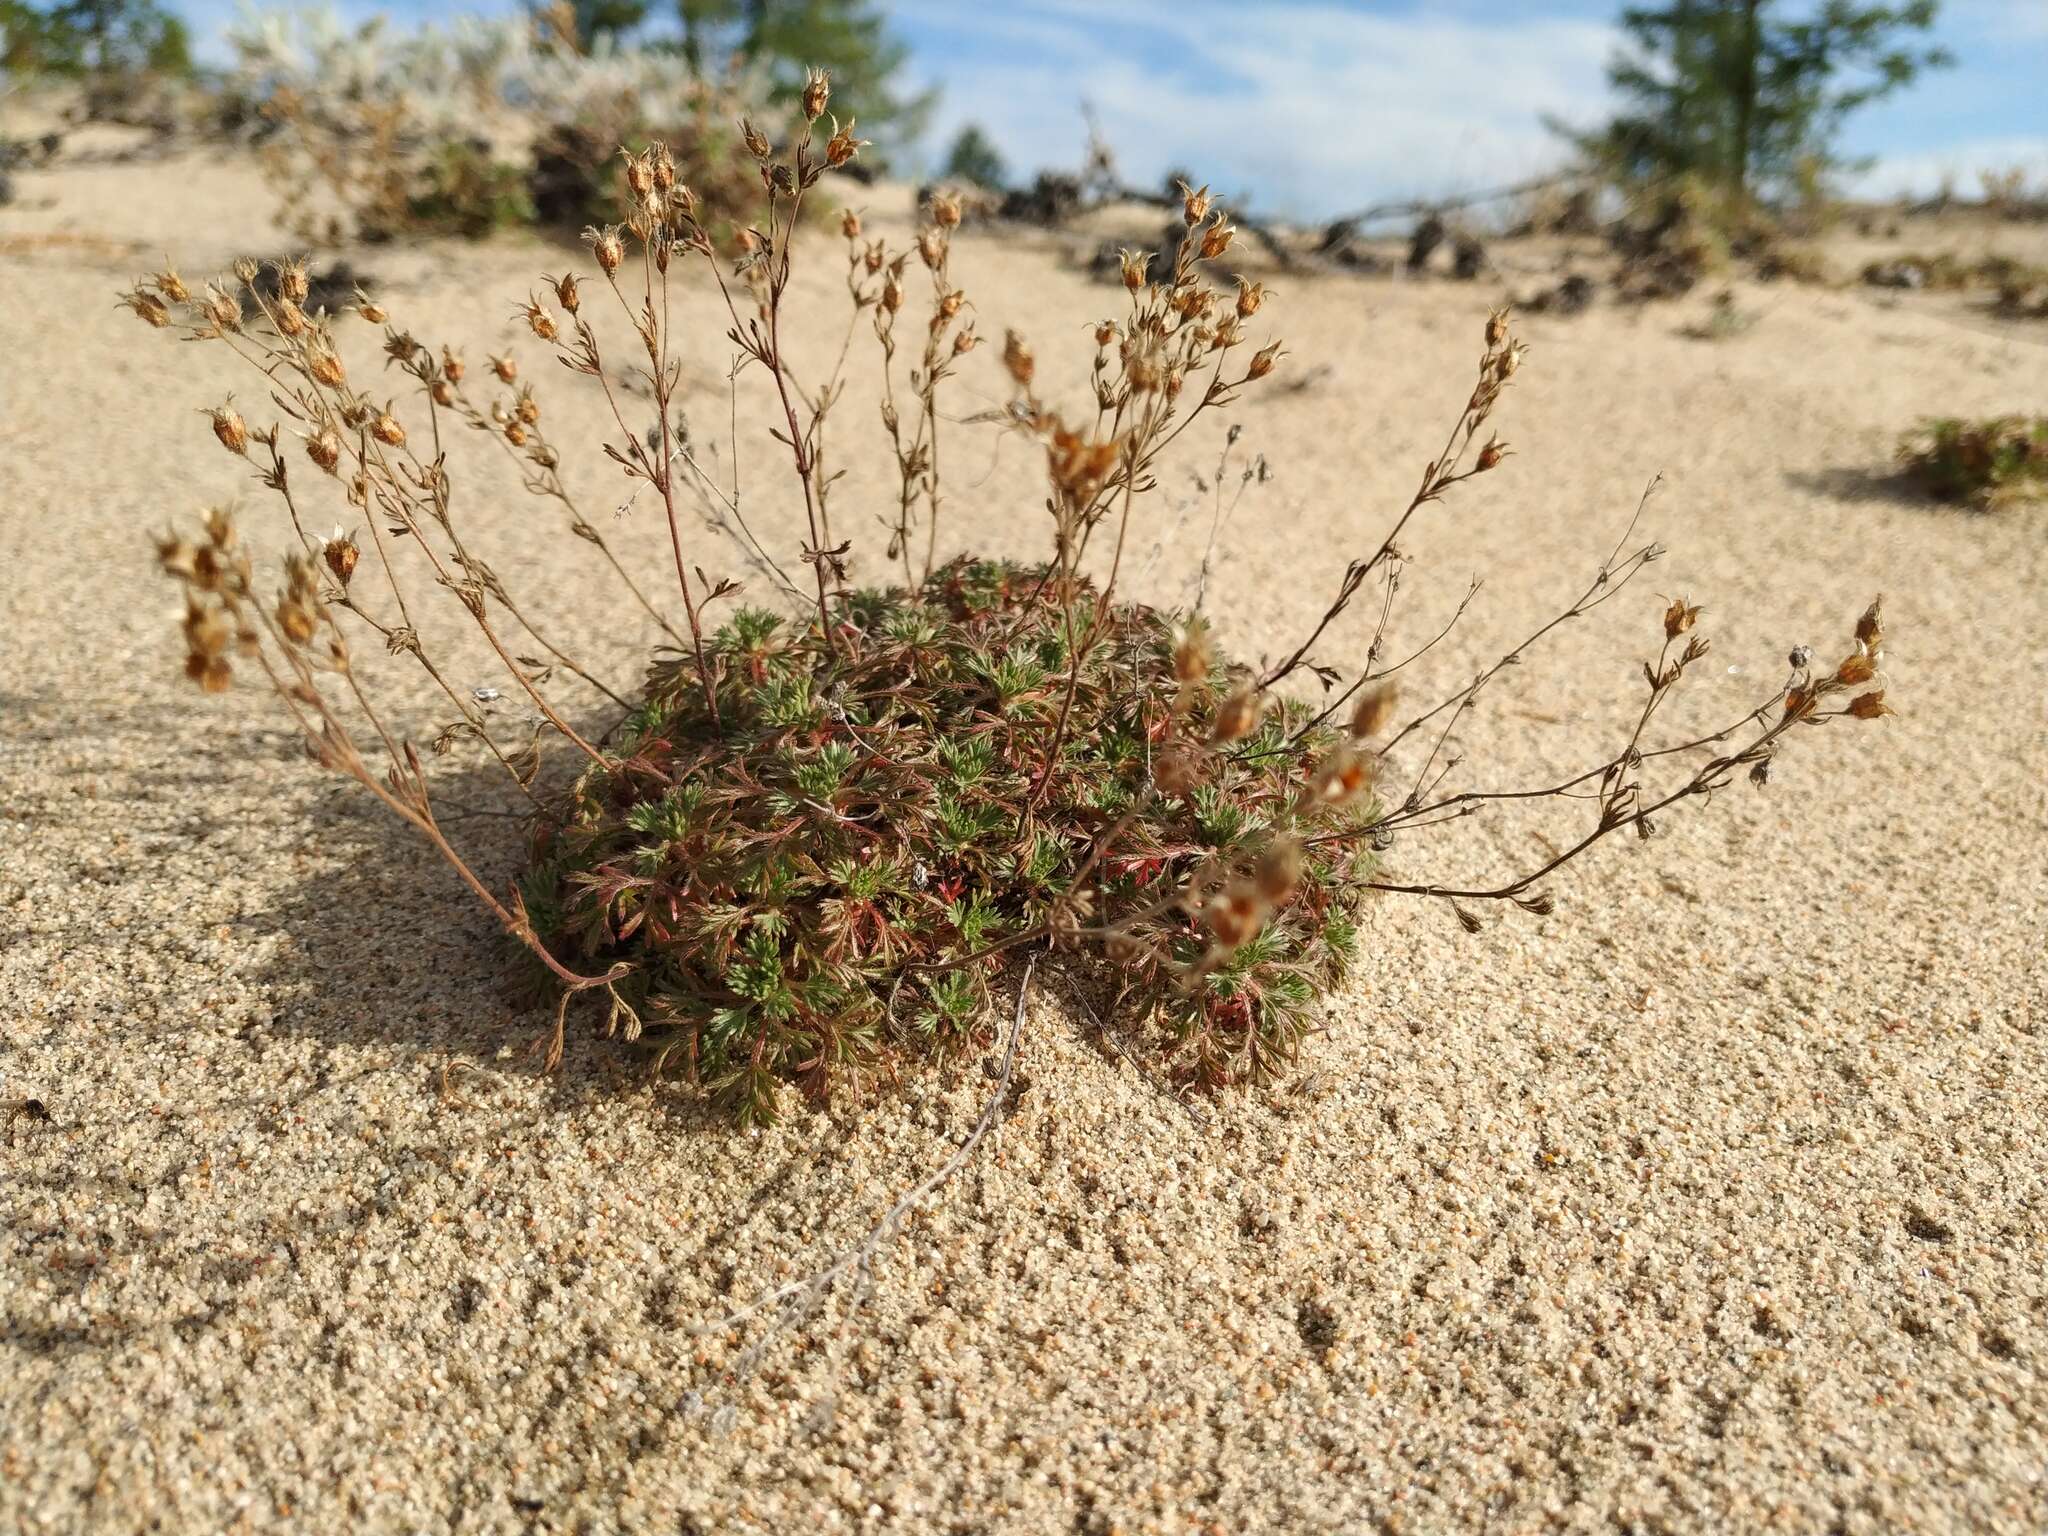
(1989, 463)
(1749, 94)
(93, 37)
(836, 869)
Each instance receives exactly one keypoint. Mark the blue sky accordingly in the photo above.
(1315, 106)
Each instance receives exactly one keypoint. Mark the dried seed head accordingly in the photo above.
(606, 246)
(291, 320)
(849, 224)
(872, 258)
(246, 270)
(1238, 716)
(451, 366)
(221, 308)
(1018, 359)
(931, 247)
(892, 293)
(506, 369)
(842, 146)
(1870, 706)
(1509, 360)
(640, 174)
(662, 166)
(756, 141)
(324, 449)
(1870, 628)
(1263, 360)
(1194, 203)
(1375, 708)
(966, 341)
(1279, 870)
(370, 309)
(386, 430)
(292, 280)
(229, 427)
(1491, 455)
(1216, 239)
(1249, 297)
(148, 306)
(515, 434)
(211, 673)
(1133, 264)
(1342, 776)
(443, 392)
(1079, 466)
(323, 363)
(538, 320)
(816, 94)
(1496, 328)
(1105, 333)
(1857, 667)
(172, 286)
(1679, 617)
(1235, 914)
(527, 408)
(341, 554)
(1192, 654)
(945, 210)
(566, 293)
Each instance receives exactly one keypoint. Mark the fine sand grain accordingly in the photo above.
(1714, 1202)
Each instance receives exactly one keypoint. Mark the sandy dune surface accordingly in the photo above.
(1716, 1201)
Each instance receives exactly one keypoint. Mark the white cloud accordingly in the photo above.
(1295, 106)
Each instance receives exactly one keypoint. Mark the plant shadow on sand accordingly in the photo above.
(1861, 483)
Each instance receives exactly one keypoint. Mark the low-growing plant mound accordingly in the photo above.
(820, 833)
(1990, 463)
(798, 881)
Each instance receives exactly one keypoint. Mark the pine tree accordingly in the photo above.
(1748, 96)
(848, 38)
(973, 158)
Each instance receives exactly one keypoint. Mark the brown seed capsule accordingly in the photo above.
(1216, 239)
(606, 246)
(1341, 776)
(1496, 328)
(1870, 628)
(1870, 706)
(229, 427)
(1191, 654)
(1235, 914)
(849, 224)
(527, 409)
(451, 366)
(292, 280)
(443, 392)
(931, 247)
(1679, 617)
(506, 369)
(172, 286)
(1375, 708)
(1133, 264)
(538, 320)
(1194, 204)
(324, 449)
(1249, 297)
(842, 146)
(566, 292)
(1263, 360)
(246, 270)
(639, 174)
(291, 320)
(148, 306)
(892, 294)
(1857, 667)
(373, 312)
(386, 430)
(945, 210)
(1238, 716)
(1018, 359)
(515, 434)
(323, 363)
(1491, 455)
(1105, 333)
(966, 341)
(341, 554)
(1279, 870)
(817, 92)
(211, 673)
